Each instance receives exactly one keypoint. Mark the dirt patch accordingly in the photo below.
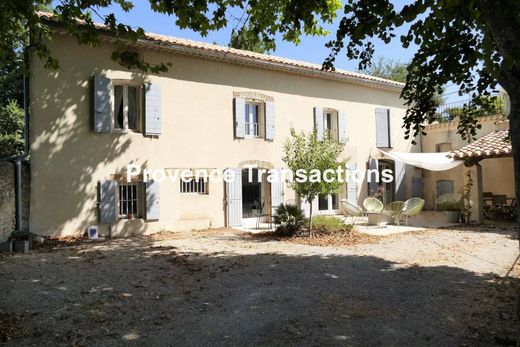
(347, 238)
(13, 326)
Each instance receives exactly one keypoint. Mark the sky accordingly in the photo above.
(311, 49)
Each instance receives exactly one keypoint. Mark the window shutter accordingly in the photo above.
(152, 120)
(399, 174)
(234, 198)
(318, 122)
(383, 127)
(240, 117)
(153, 199)
(277, 190)
(351, 184)
(269, 120)
(444, 187)
(373, 184)
(107, 201)
(102, 104)
(342, 131)
(417, 187)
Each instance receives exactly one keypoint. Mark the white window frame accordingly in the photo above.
(249, 130)
(138, 199)
(125, 84)
(334, 125)
(194, 186)
(330, 209)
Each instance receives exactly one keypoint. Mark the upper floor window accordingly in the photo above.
(330, 124)
(253, 121)
(127, 106)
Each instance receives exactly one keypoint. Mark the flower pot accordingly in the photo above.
(21, 246)
(452, 216)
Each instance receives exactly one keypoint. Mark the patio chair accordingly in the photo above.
(393, 210)
(412, 208)
(448, 201)
(352, 210)
(373, 205)
(261, 214)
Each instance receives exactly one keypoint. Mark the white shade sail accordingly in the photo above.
(428, 161)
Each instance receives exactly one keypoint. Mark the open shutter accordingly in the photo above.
(269, 120)
(234, 198)
(240, 117)
(102, 104)
(399, 174)
(107, 201)
(342, 129)
(306, 207)
(152, 121)
(373, 184)
(152, 192)
(383, 127)
(351, 184)
(318, 122)
(417, 187)
(277, 190)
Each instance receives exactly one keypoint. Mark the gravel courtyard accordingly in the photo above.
(224, 287)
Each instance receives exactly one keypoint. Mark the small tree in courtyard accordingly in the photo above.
(318, 160)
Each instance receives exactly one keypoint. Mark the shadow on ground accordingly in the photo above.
(134, 292)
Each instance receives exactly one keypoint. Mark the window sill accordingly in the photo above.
(126, 131)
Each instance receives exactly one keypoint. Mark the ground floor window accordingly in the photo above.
(328, 203)
(194, 185)
(130, 200)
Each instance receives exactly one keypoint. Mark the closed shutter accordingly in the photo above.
(399, 176)
(153, 206)
(383, 127)
(306, 207)
(102, 104)
(318, 122)
(351, 184)
(240, 117)
(152, 121)
(107, 201)
(373, 184)
(269, 120)
(277, 190)
(444, 187)
(417, 187)
(234, 198)
(342, 128)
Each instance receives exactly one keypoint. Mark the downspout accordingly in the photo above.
(17, 159)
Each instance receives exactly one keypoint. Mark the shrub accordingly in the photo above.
(326, 225)
(290, 219)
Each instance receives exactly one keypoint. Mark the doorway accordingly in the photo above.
(387, 194)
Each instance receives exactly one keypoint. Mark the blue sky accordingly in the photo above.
(311, 49)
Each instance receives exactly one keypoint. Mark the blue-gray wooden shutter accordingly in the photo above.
(277, 189)
(107, 201)
(239, 109)
(269, 120)
(234, 198)
(383, 127)
(342, 128)
(102, 104)
(373, 184)
(417, 187)
(399, 176)
(444, 187)
(318, 122)
(153, 200)
(351, 184)
(152, 119)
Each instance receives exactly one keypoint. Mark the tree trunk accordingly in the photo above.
(310, 216)
(514, 134)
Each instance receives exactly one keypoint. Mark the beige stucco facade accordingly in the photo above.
(68, 159)
(497, 173)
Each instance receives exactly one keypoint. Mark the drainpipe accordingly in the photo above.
(17, 159)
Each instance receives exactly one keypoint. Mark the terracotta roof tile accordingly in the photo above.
(492, 145)
(252, 58)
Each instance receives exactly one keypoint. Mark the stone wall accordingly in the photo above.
(7, 198)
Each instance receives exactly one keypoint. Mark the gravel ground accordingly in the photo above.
(223, 287)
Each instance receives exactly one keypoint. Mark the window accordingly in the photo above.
(127, 107)
(130, 200)
(330, 124)
(253, 119)
(194, 185)
(328, 203)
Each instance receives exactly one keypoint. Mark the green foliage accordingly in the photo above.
(326, 225)
(247, 39)
(290, 219)
(473, 44)
(305, 153)
(11, 129)
(387, 68)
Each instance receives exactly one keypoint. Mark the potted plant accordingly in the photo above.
(451, 206)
